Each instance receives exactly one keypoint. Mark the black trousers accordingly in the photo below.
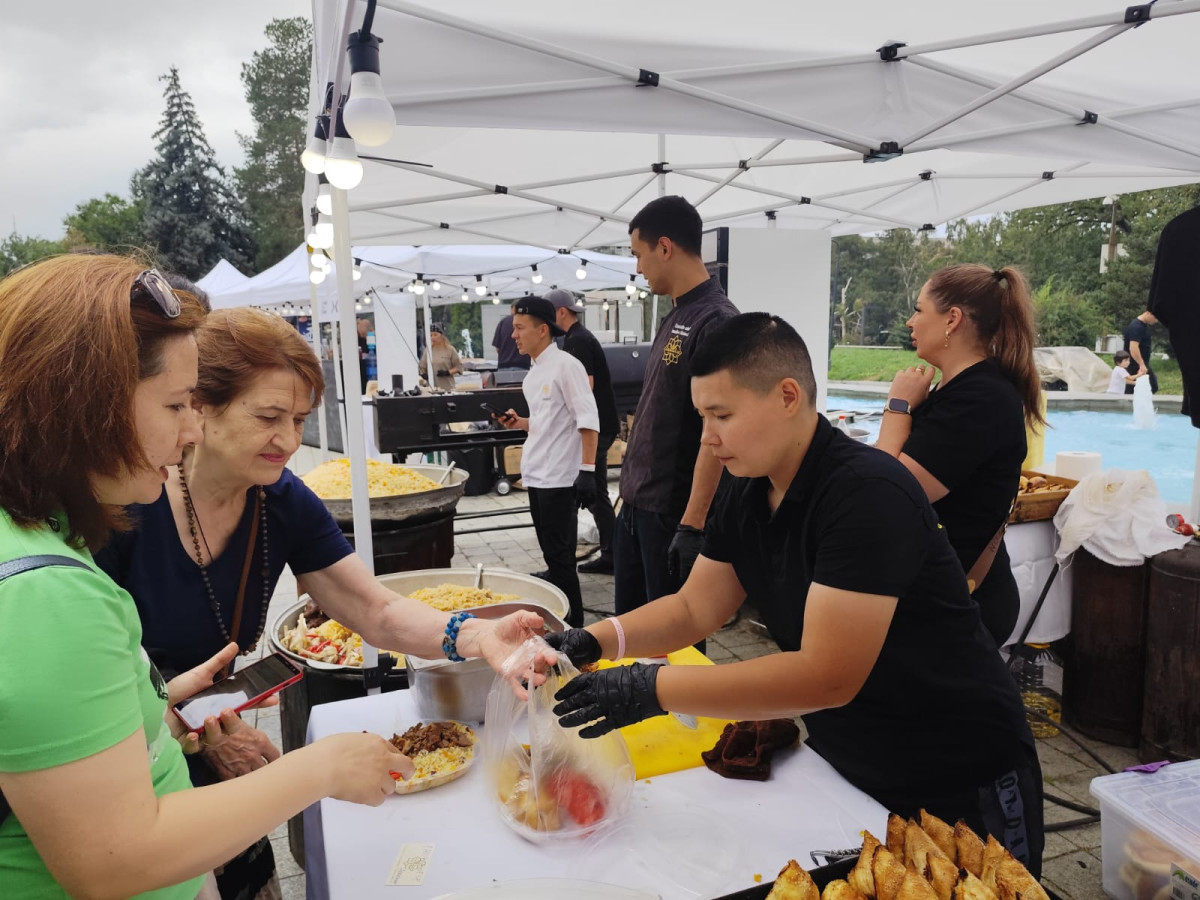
(602, 509)
(556, 522)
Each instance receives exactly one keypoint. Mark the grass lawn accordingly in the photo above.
(870, 364)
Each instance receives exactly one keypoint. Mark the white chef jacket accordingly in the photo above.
(560, 403)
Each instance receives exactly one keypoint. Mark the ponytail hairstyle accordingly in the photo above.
(998, 304)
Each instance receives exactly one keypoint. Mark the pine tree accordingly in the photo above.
(191, 214)
(272, 180)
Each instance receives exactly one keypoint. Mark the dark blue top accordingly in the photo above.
(179, 629)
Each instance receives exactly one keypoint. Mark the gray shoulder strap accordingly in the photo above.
(25, 563)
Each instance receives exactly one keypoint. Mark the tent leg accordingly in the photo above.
(314, 325)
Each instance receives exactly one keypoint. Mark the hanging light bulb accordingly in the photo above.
(537, 276)
(356, 272)
(358, 307)
(579, 301)
(327, 266)
(418, 286)
(629, 302)
(466, 298)
(581, 272)
(324, 232)
(318, 258)
(313, 156)
(480, 287)
(316, 276)
(342, 167)
(436, 285)
(642, 295)
(631, 287)
(367, 299)
(495, 298)
(324, 197)
(370, 118)
(605, 306)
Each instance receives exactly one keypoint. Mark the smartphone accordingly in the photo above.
(238, 691)
(488, 408)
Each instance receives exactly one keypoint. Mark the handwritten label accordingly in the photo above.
(411, 864)
(1184, 886)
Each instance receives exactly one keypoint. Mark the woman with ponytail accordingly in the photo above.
(964, 439)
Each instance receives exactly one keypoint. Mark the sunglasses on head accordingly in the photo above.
(152, 284)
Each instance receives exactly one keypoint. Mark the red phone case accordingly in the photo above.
(299, 673)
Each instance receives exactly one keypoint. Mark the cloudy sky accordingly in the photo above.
(84, 77)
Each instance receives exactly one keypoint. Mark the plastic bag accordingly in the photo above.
(550, 784)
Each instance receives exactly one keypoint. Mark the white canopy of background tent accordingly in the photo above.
(768, 114)
(222, 277)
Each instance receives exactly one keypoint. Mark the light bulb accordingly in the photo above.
(581, 272)
(327, 266)
(605, 306)
(537, 276)
(342, 167)
(579, 301)
(356, 273)
(631, 287)
(367, 299)
(311, 237)
(358, 307)
(642, 295)
(313, 157)
(323, 231)
(437, 285)
(480, 287)
(418, 288)
(368, 114)
(318, 258)
(466, 298)
(324, 198)
(629, 302)
(316, 276)
(495, 298)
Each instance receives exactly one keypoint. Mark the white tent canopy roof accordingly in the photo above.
(538, 132)
(222, 277)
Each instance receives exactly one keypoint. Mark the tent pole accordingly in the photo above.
(315, 325)
(662, 158)
(430, 371)
(356, 450)
(653, 317)
(738, 171)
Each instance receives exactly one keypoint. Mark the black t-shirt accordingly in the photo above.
(1139, 331)
(970, 435)
(582, 345)
(656, 474)
(939, 714)
(507, 354)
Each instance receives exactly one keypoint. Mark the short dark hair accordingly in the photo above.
(670, 217)
(1120, 356)
(758, 350)
(180, 283)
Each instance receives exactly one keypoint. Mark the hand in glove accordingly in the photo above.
(579, 644)
(683, 550)
(611, 698)
(585, 488)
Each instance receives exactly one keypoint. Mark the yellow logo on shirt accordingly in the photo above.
(673, 351)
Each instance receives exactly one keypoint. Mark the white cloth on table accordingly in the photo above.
(1118, 517)
(691, 834)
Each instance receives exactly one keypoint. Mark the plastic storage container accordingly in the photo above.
(1148, 823)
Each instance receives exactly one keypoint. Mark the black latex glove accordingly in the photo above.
(585, 488)
(580, 645)
(611, 698)
(683, 550)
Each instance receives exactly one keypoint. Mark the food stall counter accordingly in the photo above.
(689, 834)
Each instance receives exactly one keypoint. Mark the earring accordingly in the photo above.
(947, 342)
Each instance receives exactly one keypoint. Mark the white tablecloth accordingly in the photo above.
(690, 834)
(1030, 548)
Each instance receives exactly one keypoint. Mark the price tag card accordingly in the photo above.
(1184, 885)
(411, 864)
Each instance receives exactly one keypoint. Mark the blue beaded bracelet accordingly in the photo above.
(450, 641)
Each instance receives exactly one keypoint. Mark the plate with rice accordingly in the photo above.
(441, 752)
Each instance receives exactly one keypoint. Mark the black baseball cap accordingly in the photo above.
(539, 308)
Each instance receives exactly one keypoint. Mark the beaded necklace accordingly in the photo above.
(196, 531)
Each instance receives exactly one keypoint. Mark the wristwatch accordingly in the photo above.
(898, 405)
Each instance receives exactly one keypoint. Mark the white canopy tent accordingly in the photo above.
(222, 277)
(523, 123)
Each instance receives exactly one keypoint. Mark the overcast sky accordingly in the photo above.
(84, 78)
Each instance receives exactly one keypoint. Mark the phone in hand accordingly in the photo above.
(241, 690)
(495, 413)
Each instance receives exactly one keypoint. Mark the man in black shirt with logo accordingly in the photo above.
(900, 685)
(1138, 346)
(582, 344)
(667, 481)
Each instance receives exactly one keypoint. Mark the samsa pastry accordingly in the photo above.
(841, 890)
(941, 833)
(970, 848)
(793, 883)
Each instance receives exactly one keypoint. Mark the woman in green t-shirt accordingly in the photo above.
(99, 364)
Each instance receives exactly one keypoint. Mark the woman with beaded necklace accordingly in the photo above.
(204, 559)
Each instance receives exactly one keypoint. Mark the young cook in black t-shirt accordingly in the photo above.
(965, 440)
(885, 656)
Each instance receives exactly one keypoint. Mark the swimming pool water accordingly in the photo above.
(1167, 451)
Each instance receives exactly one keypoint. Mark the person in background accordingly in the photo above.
(582, 344)
(210, 545)
(883, 651)
(507, 354)
(667, 479)
(364, 351)
(94, 792)
(1120, 377)
(446, 361)
(1139, 346)
(558, 463)
(965, 439)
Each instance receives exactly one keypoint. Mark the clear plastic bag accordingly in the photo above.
(550, 784)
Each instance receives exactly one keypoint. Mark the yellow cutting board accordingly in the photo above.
(663, 744)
